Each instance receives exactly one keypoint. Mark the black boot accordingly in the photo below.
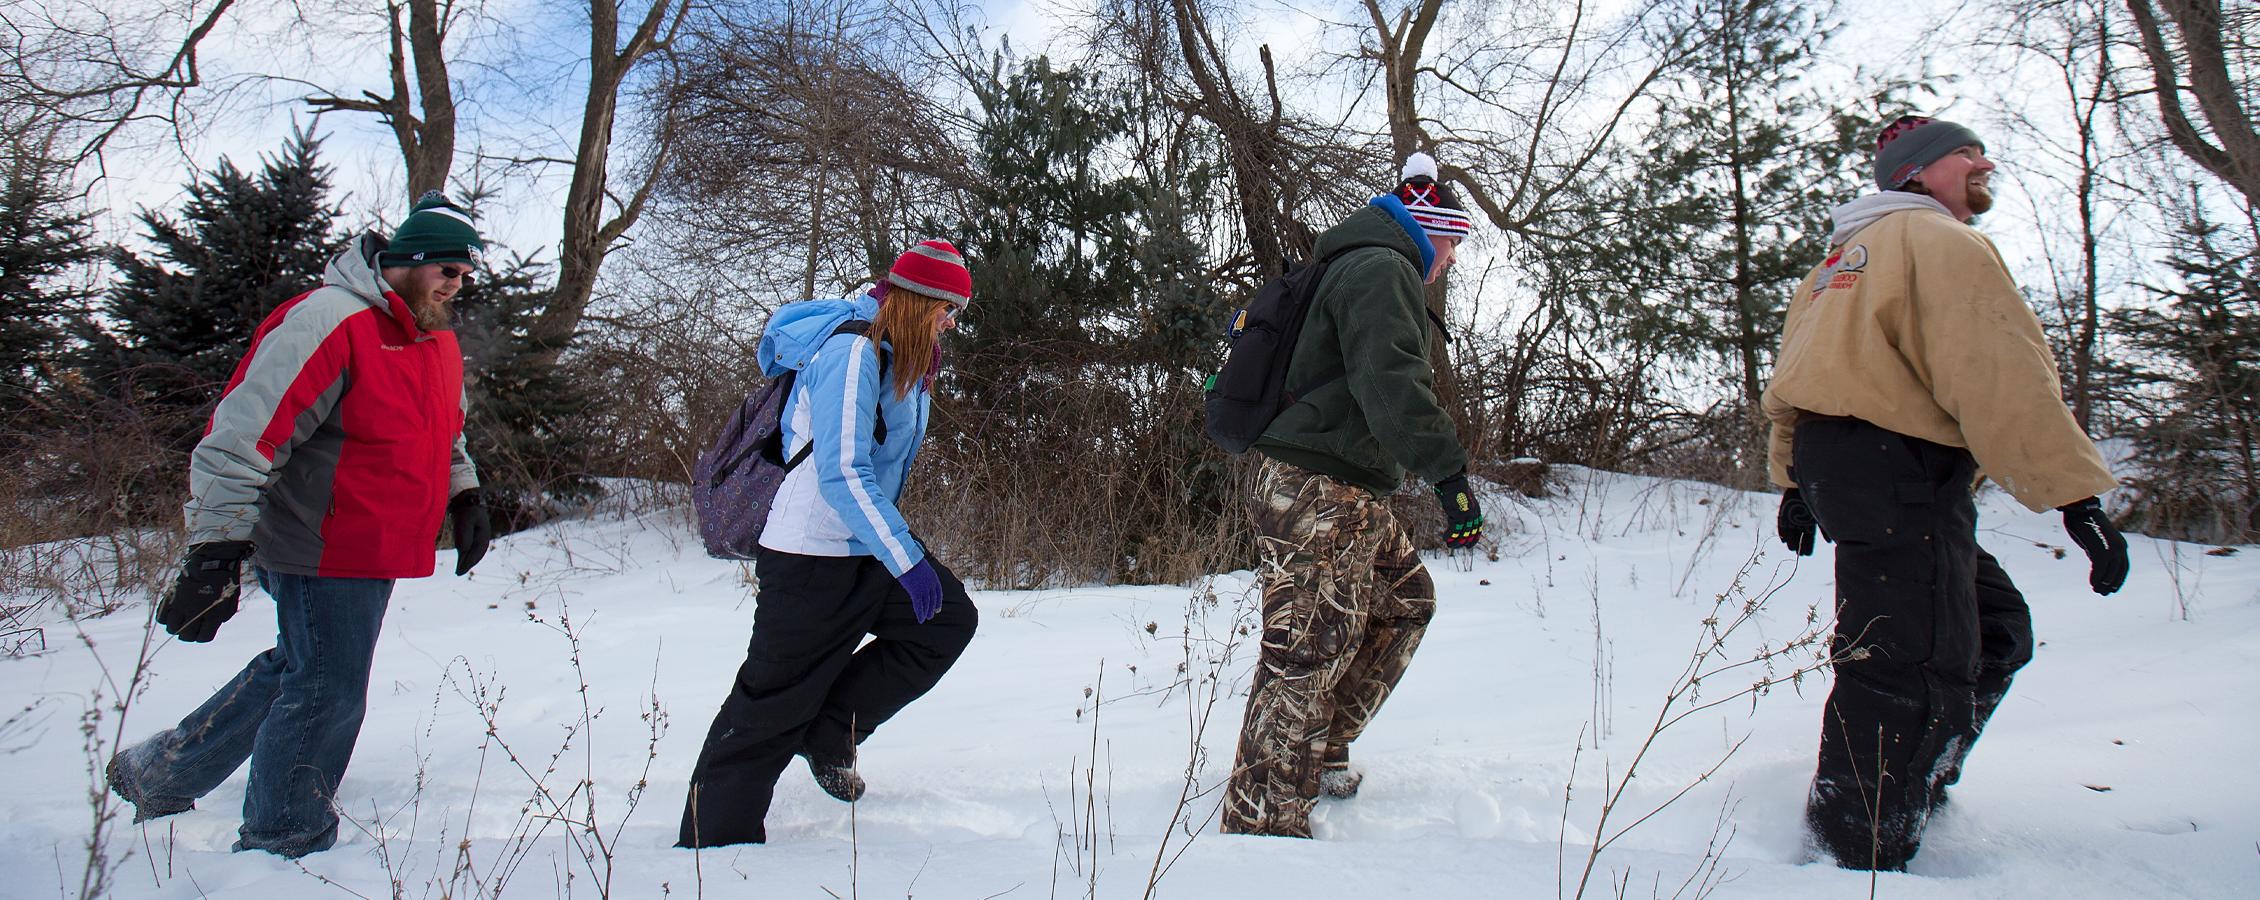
(837, 777)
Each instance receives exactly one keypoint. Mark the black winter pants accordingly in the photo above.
(1929, 632)
(805, 687)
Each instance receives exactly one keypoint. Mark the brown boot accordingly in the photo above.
(1336, 777)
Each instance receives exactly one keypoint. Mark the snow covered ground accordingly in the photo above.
(2121, 765)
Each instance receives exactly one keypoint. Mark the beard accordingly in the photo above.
(432, 315)
(1980, 200)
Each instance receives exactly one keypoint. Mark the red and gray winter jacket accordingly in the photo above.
(340, 437)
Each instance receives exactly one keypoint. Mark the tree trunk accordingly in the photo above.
(430, 148)
(1749, 343)
(2233, 154)
(1400, 47)
(588, 235)
(2091, 309)
(1252, 143)
(427, 144)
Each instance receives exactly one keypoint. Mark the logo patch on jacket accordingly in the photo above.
(1841, 269)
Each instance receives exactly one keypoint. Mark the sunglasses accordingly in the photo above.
(454, 272)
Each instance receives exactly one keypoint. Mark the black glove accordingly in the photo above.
(467, 514)
(2106, 549)
(1794, 521)
(207, 591)
(1463, 517)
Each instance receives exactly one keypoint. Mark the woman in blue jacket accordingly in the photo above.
(837, 561)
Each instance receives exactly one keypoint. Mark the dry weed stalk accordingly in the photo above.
(1205, 658)
(1711, 659)
(103, 806)
(576, 809)
(1078, 838)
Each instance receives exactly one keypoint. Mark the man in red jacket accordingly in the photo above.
(328, 463)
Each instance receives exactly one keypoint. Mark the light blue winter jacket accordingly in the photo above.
(840, 501)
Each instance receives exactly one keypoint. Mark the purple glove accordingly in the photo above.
(925, 590)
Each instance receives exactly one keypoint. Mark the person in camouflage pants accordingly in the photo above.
(1345, 601)
(1345, 598)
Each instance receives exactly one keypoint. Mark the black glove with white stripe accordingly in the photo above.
(2106, 549)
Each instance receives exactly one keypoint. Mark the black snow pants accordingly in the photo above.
(806, 688)
(1929, 633)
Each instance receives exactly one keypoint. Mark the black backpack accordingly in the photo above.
(1251, 389)
(736, 480)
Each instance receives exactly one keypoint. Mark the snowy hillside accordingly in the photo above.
(2120, 766)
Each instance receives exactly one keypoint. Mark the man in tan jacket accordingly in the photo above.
(1910, 364)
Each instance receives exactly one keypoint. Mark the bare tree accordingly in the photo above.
(2200, 53)
(1517, 102)
(427, 142)
(805, 134)
(1396, 47)
(1280, 160)
(2075, 45)
(97, 71)
(595, 219)
(1522, 102)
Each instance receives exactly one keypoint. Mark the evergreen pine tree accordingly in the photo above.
(2190, 366)
(1076, 369)
(1049, 238)
(43, 235)
(244, 242)
(527, 429)
(1700, 242)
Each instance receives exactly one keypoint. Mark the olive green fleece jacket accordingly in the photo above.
(1375, 415)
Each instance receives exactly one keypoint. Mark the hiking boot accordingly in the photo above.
(1336, 777)
(837, 777)
(144, 808)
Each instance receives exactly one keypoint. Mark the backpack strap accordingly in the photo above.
(1291, 396)
(878, 413)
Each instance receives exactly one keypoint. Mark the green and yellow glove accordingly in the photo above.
(1463, 517)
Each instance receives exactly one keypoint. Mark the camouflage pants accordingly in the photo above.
(1345, 601)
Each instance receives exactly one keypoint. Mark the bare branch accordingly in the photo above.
(93, 77)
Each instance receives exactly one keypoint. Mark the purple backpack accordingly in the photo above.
(736, 480)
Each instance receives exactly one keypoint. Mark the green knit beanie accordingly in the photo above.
(435, 231)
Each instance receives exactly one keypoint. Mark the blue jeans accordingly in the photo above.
(294, 711)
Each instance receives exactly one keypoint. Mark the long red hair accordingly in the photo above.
(906, 323)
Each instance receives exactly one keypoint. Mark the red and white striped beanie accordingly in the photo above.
(935, 269)
(1430, 202)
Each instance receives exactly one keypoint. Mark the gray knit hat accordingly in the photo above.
(1911, 143)
(435, 231)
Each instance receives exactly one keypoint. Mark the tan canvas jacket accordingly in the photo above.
(1914, 325)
